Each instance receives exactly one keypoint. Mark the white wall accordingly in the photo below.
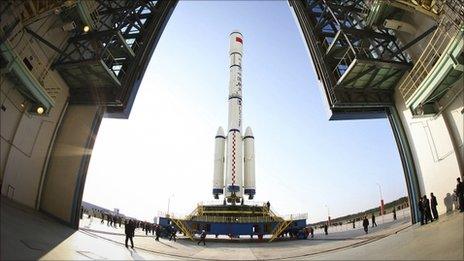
(63, 186)
(430, 139)
(431, 144)
(25, 141)
(26, 138)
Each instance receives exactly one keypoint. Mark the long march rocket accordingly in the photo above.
(234, 157)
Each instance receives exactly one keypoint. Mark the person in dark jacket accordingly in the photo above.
(130, 231)
(374, 224)
(202, 238)
(326, 229)
(365, 224)
(157, 232)
(421, 210)
(460, 194)
(173, 234)
(433, 206)
(394, 213)
(428, 215)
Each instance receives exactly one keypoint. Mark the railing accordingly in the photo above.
(344, 63)
(279, 229)
(296, 216)
(442, 37)
(234, 219)
(183, 228)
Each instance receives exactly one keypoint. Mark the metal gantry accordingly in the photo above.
(104, 60)
(358, 64)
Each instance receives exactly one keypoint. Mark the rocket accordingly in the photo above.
(234, 156)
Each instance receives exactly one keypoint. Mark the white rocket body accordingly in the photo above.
(249, 166)
(239, 161)
(219, 158)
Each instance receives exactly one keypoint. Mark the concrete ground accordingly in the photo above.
(26, 234)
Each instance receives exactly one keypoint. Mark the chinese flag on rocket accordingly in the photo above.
(238, 39)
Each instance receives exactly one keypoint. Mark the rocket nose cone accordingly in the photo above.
(220, 132)
(236, 32)
(248, 132)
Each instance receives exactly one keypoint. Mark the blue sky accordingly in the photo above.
(303, 161)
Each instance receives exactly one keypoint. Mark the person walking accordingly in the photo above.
(374, 224)
(202, 238)
(365, 224)
(326, 229)
(354, 220)
(394, 213)
(173, 234)
(460, 194)
(157, 232)
(433, 205)
(130, 231)
(421, 210)
(428, 215)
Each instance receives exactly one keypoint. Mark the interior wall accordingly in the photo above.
(431, 136)
(69, 160)
(431, 144)
(26, 139)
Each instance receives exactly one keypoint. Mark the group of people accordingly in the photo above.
(154, 229)
(428, 209)
(111, 220)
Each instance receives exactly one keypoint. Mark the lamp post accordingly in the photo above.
(169, 202)
(381, 200)
(328, 215)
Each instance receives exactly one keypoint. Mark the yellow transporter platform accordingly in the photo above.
(235, 220)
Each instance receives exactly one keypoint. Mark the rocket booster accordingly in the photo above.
(239, 149)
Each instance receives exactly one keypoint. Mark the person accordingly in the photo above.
(433, 205)
(173, 234)
(354, 220)
(421, 211)
(460, 194)
(130, 231)
(202, 238)
(157, 232)
(365, 224)
(326, 229)
(394, 213)
(268, 205)
(374, 224)
(428, 215)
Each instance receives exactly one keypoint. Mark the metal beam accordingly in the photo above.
(41, 39)
(416, 40)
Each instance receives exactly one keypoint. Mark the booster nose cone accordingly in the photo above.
(248, 132)
(220, 132)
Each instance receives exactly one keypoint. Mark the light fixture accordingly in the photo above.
(40, 110)
(86, 28)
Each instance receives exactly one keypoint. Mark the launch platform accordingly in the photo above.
(256, 221)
